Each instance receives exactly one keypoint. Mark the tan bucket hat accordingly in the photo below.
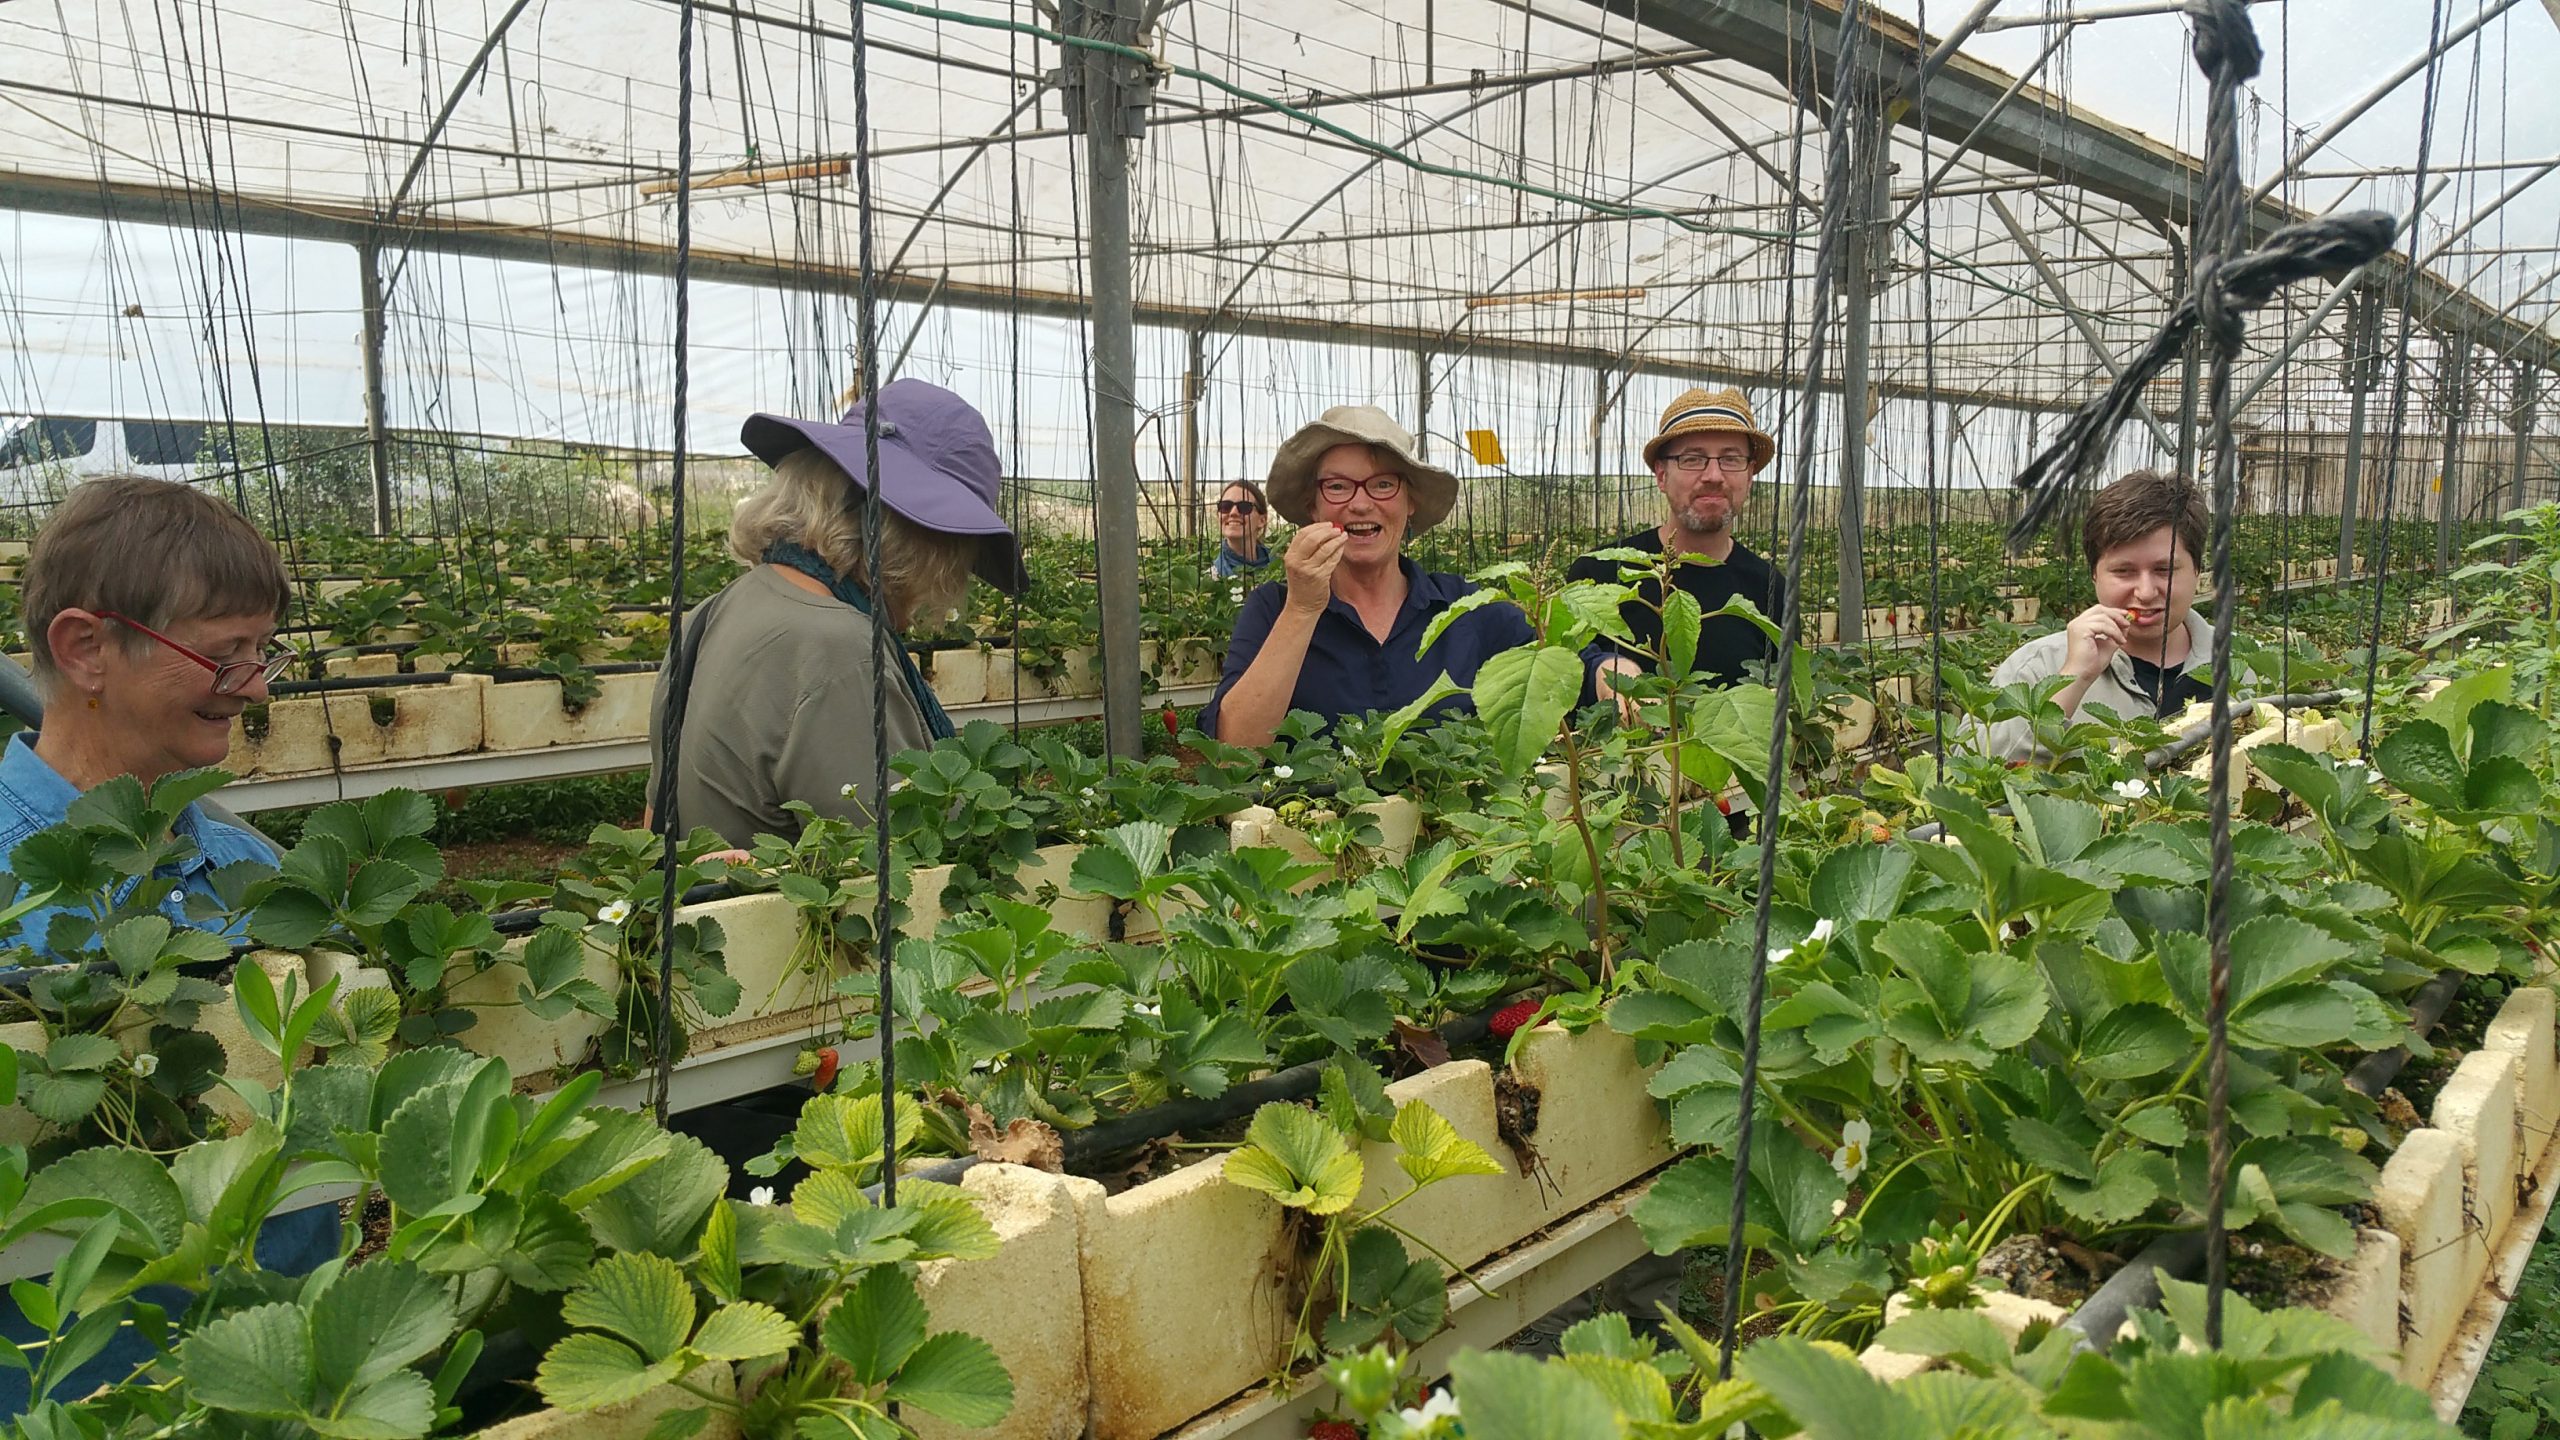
(1292, 485)
(1707, 412)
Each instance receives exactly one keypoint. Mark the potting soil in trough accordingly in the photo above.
(2456, 1035)
(2050, 1267)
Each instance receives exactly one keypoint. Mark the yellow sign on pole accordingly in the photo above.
(1485, 446)
(2436, 486)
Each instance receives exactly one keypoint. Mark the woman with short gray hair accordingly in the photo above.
(781, 674)
(151, 613)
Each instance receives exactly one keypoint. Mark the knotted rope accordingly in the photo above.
(2329, 246)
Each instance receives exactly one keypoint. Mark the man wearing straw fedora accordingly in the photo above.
(1339, 635)
(1703, 458)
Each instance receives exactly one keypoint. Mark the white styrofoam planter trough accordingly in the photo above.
(1122, 1317)
(305, 733)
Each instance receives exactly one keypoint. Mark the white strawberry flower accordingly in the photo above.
(1282, 772)
(1778, 955)
(146, 1065)
(761, 1195)
(1851, 1157)
(1441, 1406)
(2133, 789)
(845, 790)
(1821, 931)
(615, 913)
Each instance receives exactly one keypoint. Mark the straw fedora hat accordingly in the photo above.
(1292, 485)
(1711, 412)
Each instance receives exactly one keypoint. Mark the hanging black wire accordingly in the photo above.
(1929, 432)
(1852, 109)
(2400, 382)
(670, 829)
(2226, 50)
(866, 349)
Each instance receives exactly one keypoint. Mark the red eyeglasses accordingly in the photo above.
(228, 678)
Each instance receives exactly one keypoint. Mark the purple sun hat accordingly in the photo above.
(938, 466)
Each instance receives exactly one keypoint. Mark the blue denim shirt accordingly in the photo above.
(1348, 671)
(33, 797)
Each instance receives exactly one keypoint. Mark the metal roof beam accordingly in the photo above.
(355, 226)
(2038, 131)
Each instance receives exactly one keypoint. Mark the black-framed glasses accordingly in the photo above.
(1239, 507)
(1693, 462)
(1339, 488)
(229, 677)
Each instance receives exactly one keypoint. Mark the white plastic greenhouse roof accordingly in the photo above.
(1501, 176)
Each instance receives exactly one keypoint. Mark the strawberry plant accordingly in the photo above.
(1362, 1281)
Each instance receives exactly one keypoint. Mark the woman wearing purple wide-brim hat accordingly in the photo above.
(779, 703)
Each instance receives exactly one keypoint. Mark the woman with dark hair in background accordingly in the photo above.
(2139, 648)
(1243, 516)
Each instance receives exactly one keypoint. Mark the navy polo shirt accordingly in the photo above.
(1350, 672)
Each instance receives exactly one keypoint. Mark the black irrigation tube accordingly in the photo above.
(2180, 1253)
(1176, 1116)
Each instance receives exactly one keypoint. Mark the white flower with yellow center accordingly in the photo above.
(1851, 1157)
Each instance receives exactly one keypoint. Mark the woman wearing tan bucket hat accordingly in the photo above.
(1339, 635)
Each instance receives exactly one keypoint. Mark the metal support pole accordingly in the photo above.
(2520, 406)
(2520, 420)
(1599, 421)
(1422, 403)
(1857, 389)
(1110, 111)
(377, 425)
(2363, 367)
(2450, 383)
(1194, 380)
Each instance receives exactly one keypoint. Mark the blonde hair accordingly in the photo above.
(156, 550)
(812, 503)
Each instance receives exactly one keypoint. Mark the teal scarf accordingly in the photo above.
(806, 561)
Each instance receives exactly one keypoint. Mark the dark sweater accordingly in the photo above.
(1725, 645)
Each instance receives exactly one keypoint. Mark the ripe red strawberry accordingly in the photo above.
(1507, 1021)
(828, 1063)
(1172, 725)
(1333, 1430)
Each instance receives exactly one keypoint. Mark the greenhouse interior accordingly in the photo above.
(1384, 720)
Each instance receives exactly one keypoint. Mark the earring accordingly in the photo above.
(93, 702)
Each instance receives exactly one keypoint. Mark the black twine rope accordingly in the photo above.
(1852, 107)
(2226, 49)
(669, 830)
(867, 366)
